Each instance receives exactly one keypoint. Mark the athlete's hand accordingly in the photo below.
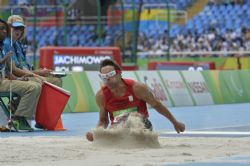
(179, 127)
(89, 136)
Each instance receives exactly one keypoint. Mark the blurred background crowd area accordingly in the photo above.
(141, 28)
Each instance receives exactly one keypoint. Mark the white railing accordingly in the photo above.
(159, 53)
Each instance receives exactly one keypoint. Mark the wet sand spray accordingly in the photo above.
(131, 134)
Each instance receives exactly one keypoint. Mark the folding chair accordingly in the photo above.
(3, 105)
(3, 96)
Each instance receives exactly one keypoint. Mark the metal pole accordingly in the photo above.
(168, 19)
(137, 29)
(65, 36)
(57, 24)
(99, 30)
(123, 30)
(133, 33)
(10, 86)
(34, 36)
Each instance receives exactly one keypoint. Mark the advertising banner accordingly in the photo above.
(172, 88)
(153, 81)
(129, 75)
(77, 63)
(76, 59)
(245, 81)
(198, 87)
(214, 85)
(232, 89)
(95, 81)
(177, 88)
(82, 97)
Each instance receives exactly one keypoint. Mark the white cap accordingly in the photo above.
(18, 24)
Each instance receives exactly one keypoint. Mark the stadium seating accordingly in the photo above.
(222, 17)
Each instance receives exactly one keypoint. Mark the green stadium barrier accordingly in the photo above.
(82, 98)
(172, 88)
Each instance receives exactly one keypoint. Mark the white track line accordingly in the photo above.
(208, 133)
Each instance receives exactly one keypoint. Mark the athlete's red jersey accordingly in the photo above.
(116, 105)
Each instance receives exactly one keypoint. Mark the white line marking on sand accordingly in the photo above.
(209, 133)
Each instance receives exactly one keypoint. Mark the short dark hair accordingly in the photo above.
(6, 25)
(109, 62)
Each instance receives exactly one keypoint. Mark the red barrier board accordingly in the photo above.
(180, 65)
(76, 58)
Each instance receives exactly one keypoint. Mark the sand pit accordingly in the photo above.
(62, 151)
(128, 145)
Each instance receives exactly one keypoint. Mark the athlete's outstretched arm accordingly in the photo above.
(143, 93)
(103, 114)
